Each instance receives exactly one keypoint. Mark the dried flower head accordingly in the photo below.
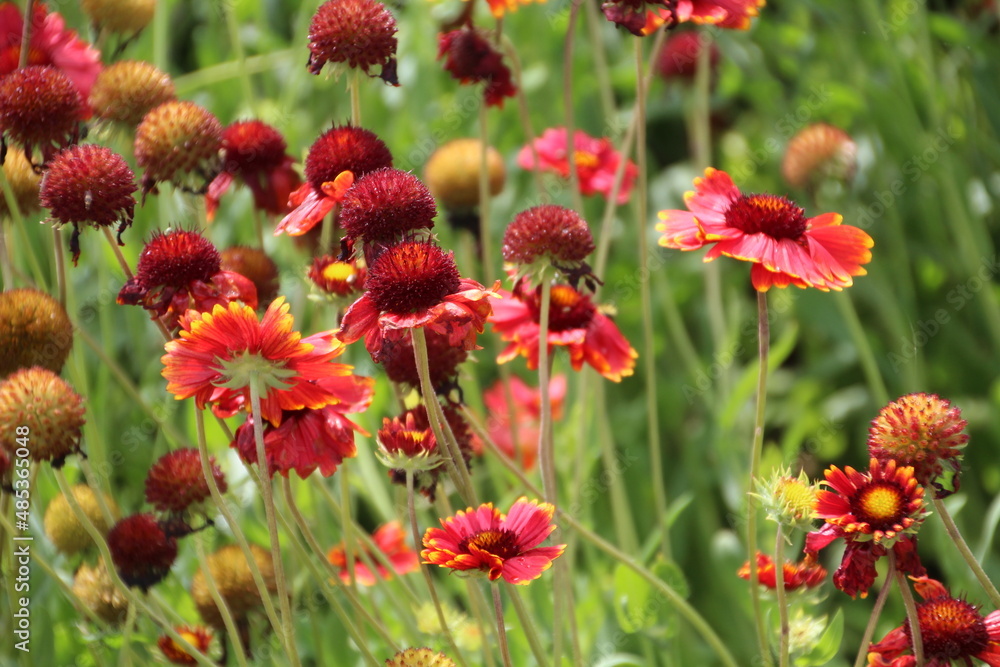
(231, 572)
(419, 657)
(175, 653)
(178, 142)
(452, 172)
(89, 184)
(386, 204)
(94, 587)
(923, 431)
(63, 528)
(255, 265)
(125, 17)
(549, 236)
(127, 90)
(34, 331)
(819, 151)
(39, 400)
(471, 58)
(337, 278)
(40, 108)
(176, 481)
(358, 33)
(24, 183)
(141, 550)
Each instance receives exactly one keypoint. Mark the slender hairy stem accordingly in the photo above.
(501, 629)
(963, 548)
(6, 261)
(126, 269)
(779, 590)
(125, 657)
(528, 625)
(220, 602)
(568, 99)
(60, 262)
(911, 616)
(546, 453)
(29, 16)
(764, 339)
(355, 86)
(883, 595)
(868, 363)
(485, 237)
(345, 524)
(288, 629)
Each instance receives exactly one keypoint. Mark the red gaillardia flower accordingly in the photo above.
(176, 481)
(816, 152)
(88, 184)
(385, 205)
(485, 540)
(470, 58)
(254, 265)
(596, 161)
(40, 401)
(129, 89)
(519, 440)
(923, 431)
(641, 17)
(141, 550)
(254, 152)
(340, 155)
(785, 247)
(396, 357)
(178, 142)
(357, 33)
(180, 270)
(952, 631)
(219, 354)
(499, 7)
(391, 541)
(199, 637)
(549, 235)
(34, 331)
(574, 323)
(337, 278)
(873, 512)
(679, 57)
(805, 574)
(51, 44)
(40, 108)
(308, 439)
(416, 284)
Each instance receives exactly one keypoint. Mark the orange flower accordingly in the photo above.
(219, 354)
(199, 637)
(391, 541)
(786, 248)
(641, 17)
(499, 7)
(807, 573)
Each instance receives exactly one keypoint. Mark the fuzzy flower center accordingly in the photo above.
(774, 216)
(501, 543)
(950, 628)
(880, 505)
(411, 277)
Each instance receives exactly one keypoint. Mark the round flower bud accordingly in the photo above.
(176, 481)
(127, 90)
(357, 33)
(255, 265)
(125, 17)
(34, 331)
(40, 401)
(24, 182)
(142, 552)
(550, 233)
(178, 142)
(818, 152)
(788, 500)
(65, 531)
(452, 173)
(97, 591)
(234, 581)
(40, 107)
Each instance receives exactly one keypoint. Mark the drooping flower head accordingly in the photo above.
(952, 632)
(518, 439)
(340, 156)
(254, 152)
(642, 17)
(872, 512)
(39, 400)
(416, 284)
(471, 58)
(549, 236)
(337, 278)
(485, 540)
(256, 266)
(384, 206)
(802, 575)
(816, 152)
(785, 247)
(142, 552)
(124, 17)
(595, 159)
(235, 583)
(679, 57)
(176, 483)
(391, 541)
(574, 323)
(127, 90)
(219, 354)
(176, 654)
(396, 357)
(178, 142)
(65, 530)
(40, 108)
(51, 44)
(452, 173)
(357, 33)
(34, 331)
(180, 270)
(923, 431)
(89, 184)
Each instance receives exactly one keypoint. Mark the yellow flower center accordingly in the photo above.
(585, 159)
(797, 496)
(880, 503)
(340, 272)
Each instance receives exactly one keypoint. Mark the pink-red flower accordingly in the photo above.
(641, 17)
(51, 44)
(804, 574)
(574, 323)
(596, 161)
(499, 7)
(873, 512)
(219, 354)
(518, 439)
(785, 247)
(471, 58)
(485, 540)
(952, 632)
(391, 541)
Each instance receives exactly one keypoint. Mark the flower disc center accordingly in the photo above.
(880, 505)
(568, 308)
(412, 276)
(950, 628)
(502, 543)
(766, 214)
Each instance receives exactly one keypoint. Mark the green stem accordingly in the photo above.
(911, 616)
(528, 626)
(522, 108)
(501, 630)
(17, 223)
(220, 603)
(345, 524)
(568, 99)
(477, 602)
(29, 16)
(485, 236)
(60, 262)
(288, 629)
(868, 363)
(779, 590)
(546, 449)
(963, 548)
(355, 86)
(125, 656)
(6, 264)
(764, 337)
(883, 595)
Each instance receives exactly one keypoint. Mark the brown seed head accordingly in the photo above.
(34, 331)
(254, 264)
(65, 531)
(818, 152)
(232, 576)
(178, 142)
(129, 89)
(40, 401)
(125, 17)
(95, 588)
(358, 33)
(452, 173)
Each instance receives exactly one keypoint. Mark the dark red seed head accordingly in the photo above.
(251, 147)
(176, 481)
(345, 148)
(40, 106)
(89, 183)
(141, 551)
(386, 204)
(359, 33)
(550, 232)
(176, 258)
(411, 276)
